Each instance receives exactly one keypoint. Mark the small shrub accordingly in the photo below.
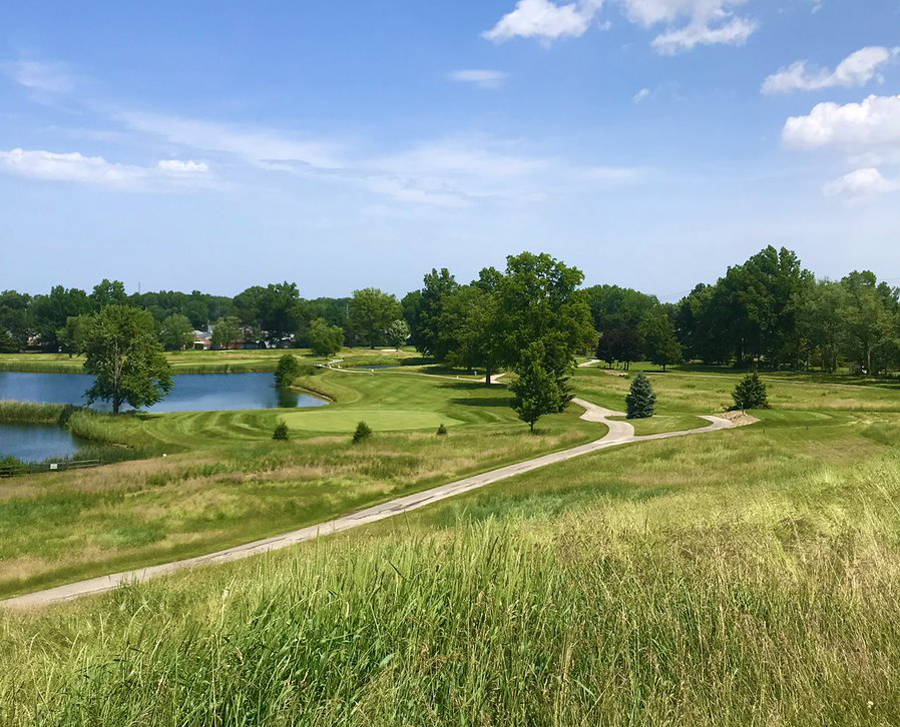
(281, 433)
(641, 401)
(442, 430)
(363, 432)
(750, 393)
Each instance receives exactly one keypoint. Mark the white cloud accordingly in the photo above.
(700, 32)
(77, 168)
(708, 21)
(40, 76)
(856, 126)
(861, 183)
(641, 95)
(180, 167)
(480, 78)
(545, 20)
(857, 69)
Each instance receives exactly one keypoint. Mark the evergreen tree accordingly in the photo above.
(750, 393)
(641, 401)
(281, 433)
(363, 432)
(288, 370)
(536, 390)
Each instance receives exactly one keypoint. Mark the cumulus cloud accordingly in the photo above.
(641, 95)
(861, 183)
(873, 122)
(479, 77)
(855, 70)
(545, 20)
(707, 21)
(77, 168)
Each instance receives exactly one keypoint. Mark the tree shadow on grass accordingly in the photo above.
(484, 402)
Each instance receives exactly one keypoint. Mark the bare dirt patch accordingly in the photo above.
(739, 418)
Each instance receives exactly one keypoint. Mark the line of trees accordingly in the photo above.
(768, 311)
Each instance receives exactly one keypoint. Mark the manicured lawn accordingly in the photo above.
(391, 420)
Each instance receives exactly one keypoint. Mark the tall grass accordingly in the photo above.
(596, 620)
(27, 412)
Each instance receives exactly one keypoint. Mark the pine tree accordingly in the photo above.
(281, 433)
(641, 401)
(750, 393)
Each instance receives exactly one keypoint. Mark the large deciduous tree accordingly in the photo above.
(658, 335)
(324, 339)
(371, 313)
(428, 319)
(176, 333)
(124, 354)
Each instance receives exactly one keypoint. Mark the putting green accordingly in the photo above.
(381, 420)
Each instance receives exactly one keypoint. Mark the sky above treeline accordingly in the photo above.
(651, 143)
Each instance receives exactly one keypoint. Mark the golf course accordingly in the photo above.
(773, 543)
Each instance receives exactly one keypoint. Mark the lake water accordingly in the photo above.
(191, 392)
(35, 443)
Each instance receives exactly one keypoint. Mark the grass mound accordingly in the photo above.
(381, 420)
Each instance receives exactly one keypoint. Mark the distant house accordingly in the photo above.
(202, 341)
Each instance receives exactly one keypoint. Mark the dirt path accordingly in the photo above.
(620, 432)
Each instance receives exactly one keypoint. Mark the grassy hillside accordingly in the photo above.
(746, 577)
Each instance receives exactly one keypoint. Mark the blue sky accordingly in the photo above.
(217, 145)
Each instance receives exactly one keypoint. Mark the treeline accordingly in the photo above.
(767, 312)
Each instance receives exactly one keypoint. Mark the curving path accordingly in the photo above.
(620, 432)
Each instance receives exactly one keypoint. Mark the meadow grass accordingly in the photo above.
(746, 577)
(743, 577)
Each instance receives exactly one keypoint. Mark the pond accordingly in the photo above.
(36, 442)
(191, 392)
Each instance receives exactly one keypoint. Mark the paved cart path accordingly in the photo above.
(620, 432)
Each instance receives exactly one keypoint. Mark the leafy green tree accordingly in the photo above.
(123, 353)
(325, 340)
(226, 332)
(397, 333)
(287, 370)
(108, 292)
(750, 393)
(536, 389)
(427, 335)
(49, 313)
(641, 400)
(71, 336)
(660, 343)
(538, 300)
(281, 433)
(275, 309)
(620, 345)
(371, 313)
(470, 326)
(176, 332)
(14, 314)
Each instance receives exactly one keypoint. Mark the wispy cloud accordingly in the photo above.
(42, 76)
(479, 77)
(855, 70)
(94, 170)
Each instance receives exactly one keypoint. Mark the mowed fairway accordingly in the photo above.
(394, 420)
(744, 577)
